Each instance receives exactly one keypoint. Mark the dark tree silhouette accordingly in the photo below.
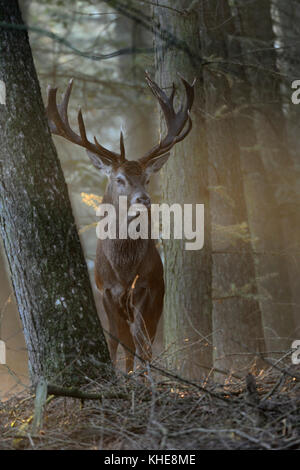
(63, 333)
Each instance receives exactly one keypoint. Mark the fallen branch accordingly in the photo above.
(75, 393)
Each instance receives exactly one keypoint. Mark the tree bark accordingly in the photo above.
(62, 331)
(139, 117)
(286, 20)
(265, 159)
(14, 373)
(237, 323)
(187, 310)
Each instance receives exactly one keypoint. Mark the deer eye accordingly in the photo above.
(120, 181)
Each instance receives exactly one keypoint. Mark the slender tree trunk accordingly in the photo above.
(187, 311)
(237, 324)
(49, 275)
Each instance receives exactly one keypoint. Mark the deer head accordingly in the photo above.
(126, 177)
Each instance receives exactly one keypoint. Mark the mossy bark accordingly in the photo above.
(63, 334)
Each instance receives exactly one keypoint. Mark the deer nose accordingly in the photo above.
(142, 199)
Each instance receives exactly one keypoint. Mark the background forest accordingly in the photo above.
(232, 307)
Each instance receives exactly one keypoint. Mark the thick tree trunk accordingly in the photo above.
(286, 19)
(14, 373)
(286, 26)
(237, 324)
(265, 159)
(140, 123)
(62, 331)
(187, 311)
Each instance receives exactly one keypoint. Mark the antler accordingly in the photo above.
(175, 121)
(59, 125)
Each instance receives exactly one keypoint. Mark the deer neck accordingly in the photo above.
(124, 255)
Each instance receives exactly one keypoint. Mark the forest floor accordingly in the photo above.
(261, 412)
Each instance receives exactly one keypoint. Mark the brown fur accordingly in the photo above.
(133, 313)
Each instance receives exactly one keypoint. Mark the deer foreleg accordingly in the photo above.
(147, 307)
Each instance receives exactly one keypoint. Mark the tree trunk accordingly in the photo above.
(62, 331)
(286, 19)
(286, 26)
(187, 310)
(237, 325)
(265, 158)
(14, 373)
(139, 118)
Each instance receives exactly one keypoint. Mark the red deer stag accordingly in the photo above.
(128, 272)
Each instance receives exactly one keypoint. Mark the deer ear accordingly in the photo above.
(101, 163)
(156, 164)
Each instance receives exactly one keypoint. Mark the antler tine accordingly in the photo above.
(173, 93)
(122, 147)
(98, 148)
(165, 102)
(59, 125)
(189, 90)
(175, 121)
(63, 107)
(188, 130)
(52, 112)
(57, 114)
